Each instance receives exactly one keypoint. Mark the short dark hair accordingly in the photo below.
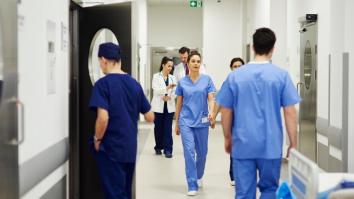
(236, 59)
(164, 61)
(263, 41)
(184, 50)
(194, 52)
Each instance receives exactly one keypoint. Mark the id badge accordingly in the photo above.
(205, 119)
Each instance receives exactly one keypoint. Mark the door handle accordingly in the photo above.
(18, 112)
(298, 86)
(21, 119)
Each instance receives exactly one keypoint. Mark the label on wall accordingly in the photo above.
(51, 58)
(64, 37)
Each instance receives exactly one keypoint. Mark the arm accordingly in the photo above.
(211, 104)
(149, 116)
(173, 89)
(178, 110)
(159, 89)
(101, 126)
(216, 110)
(226, 122)
(290, 117)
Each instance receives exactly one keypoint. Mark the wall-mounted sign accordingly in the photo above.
(195, 3)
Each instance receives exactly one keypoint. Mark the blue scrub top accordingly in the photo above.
(194, 111)
(256, 92)
(123, 98)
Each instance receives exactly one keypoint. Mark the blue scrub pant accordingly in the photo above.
(163, 131)
(246, 177)
(195, 148)
(116, 177)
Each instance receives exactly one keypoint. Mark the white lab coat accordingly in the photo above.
(159, 89)
(179, 71)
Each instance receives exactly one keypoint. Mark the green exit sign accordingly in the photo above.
(195, 3)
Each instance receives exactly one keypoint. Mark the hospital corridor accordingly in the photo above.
(176, 99)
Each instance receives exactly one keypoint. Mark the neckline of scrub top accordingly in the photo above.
(259, 62)
(200, 75)
(117, 74)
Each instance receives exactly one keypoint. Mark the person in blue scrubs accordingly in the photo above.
(251, 99)
(234, 64)
(163, 105)
(117, 100)
(195, 93)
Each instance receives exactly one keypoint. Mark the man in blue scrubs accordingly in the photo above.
(251, 99)
(117, 99)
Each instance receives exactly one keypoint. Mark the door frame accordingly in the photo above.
(9, 108)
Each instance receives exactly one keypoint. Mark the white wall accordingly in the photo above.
(174, 26)
(277, 22)
(46, 115)
(222, 37)
(349, 47)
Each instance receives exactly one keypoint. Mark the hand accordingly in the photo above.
(212, 120)
(228, 145)
(166, 98)
(288, 151)
(177, 129)
(97, 145)
(170, 86)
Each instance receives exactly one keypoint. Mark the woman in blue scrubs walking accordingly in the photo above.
(195, 93)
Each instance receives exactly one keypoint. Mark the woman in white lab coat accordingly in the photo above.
(163, 105)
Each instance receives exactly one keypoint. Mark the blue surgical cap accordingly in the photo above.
(109, 51)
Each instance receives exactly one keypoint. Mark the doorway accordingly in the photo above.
(157, 53)
(88, 24)
(308, 89)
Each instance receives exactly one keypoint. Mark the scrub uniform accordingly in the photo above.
(256, 92)
(194, 125)
(123, 98)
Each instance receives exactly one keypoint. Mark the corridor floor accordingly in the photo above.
(162, 178)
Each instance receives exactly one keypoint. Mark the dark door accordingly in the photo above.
(85, 23)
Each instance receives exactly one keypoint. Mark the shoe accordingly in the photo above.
(200, 183)
(168, 155)
(192, 193)
(158, 152)
(232, 183)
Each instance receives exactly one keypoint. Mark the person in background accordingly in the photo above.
(234, 64)
(117, 100)
(164, 107)
(182, 69)
(251, 99)
(195, 93)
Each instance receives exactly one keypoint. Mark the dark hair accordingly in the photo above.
(194, 52)
(236, 59)
(183, 50)
(263, 41)
(164, 61)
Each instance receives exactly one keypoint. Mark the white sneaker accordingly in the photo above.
(200, 183)
(232, 183)
(192, 193)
